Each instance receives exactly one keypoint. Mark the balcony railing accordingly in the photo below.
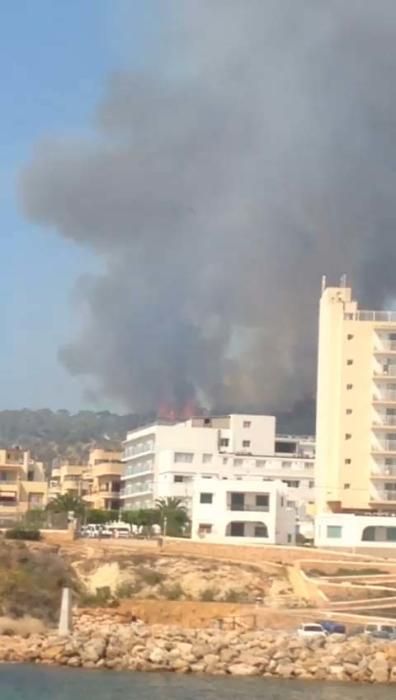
(384, 496)
(244, 507)
(385, 396)
(373, 316)
(385, 372)
(387, 446)
(388, 421)
(385, 347)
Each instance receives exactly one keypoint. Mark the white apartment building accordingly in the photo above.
(162, 460)
(247, 511)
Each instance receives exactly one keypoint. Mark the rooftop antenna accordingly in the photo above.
(343, 281)
(323, 283)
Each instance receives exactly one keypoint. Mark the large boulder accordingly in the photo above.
(242, 670)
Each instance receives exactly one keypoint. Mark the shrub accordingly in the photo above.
(150, 576)
(102, 598)
(173, 592)
(233, 596)
(20, 533)
(208, 594)
(127, 589)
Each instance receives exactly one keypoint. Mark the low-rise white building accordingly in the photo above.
(352, 531)
(162, 460)
(242, 511)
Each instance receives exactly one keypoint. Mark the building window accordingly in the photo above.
(204, 529)
(225, 460)
(237, 530)
(245, 443)
(178, 478)
(186, 457)
(349, 362)
(349, 336)
(224, 442)
(206, 459)
(311, 484)
(347, 486)
(247, 424)
(349, 386)
(206, 498)
(348, 411)
(334, 532)
(261, 531)
(282, 501)
(348, 436)
(291, 483)
(238, 462)
(262, 500)
(348, 461)
(207, 421)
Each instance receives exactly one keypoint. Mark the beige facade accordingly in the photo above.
(105, 469)
(97, 482)
(23, 485)
(356, 407)
(72, 479)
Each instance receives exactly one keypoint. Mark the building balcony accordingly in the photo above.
(9, 485)
(384, 374)
(243, 508)
(135, 494)
(387, 398)
(384, 476)
(100, 470)
(385, 348)
(388, 422)
(384, 497)
(388, 447)
(135, 475)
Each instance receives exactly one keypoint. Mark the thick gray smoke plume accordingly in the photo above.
(260, 154)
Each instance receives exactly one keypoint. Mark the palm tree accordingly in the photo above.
(173, 515)
(67, 503)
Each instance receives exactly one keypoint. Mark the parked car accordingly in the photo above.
(92, 530)
(380, 631)
(120, 529)
(332, 627)
(311, 630)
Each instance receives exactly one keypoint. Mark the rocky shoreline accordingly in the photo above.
(107, 644)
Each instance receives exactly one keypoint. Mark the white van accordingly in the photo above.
(311, 631)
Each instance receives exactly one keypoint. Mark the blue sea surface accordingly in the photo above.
(50, 683)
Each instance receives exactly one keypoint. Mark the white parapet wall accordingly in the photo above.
(349, 530)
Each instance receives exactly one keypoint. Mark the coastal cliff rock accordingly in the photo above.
(104, 643)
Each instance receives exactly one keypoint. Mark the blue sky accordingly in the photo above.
(55, 57)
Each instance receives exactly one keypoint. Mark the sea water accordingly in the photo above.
(50, 683)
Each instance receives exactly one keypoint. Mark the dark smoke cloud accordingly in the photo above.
(260, 155)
